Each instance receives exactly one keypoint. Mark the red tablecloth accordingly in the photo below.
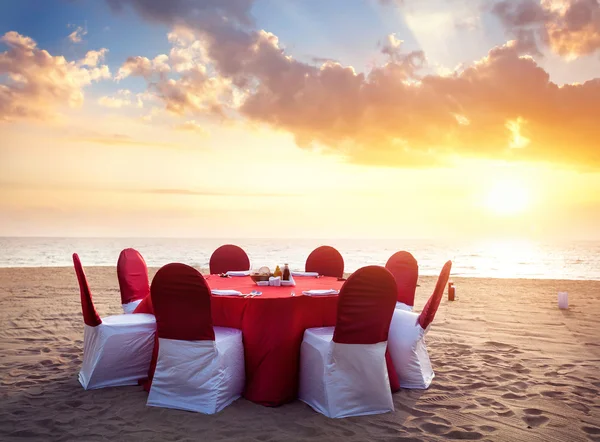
(273, 326)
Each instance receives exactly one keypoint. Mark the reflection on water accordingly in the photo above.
(501, 259)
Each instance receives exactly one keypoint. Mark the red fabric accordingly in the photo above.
(325, 260)
(273, 327)
(132, 273)
(405, 269)
(365, 307)
(90, 315)
(430, 309)
(392, 375)
(181, 302)
(228, 257)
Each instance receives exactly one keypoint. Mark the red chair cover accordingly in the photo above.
(405, 269)
(90, 315)
(325, 260)
(430, 309)
(132, 273)
(228, 257)
(365, 307)
(181, 302)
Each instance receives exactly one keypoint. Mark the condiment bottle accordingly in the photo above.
(277, 272)
(286, 273)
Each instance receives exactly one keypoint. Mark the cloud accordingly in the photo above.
(391, 2)
(200, 12)
(143, 67)
(439, 16)
(503, 106)
(322, 60)
(116, 140)
(192, 126)
(571, 28)
(149, 117)
(123, 98)
(192, 87)
(18, 185)
(77, 35)
(209, 192)
(92, 58)
(34, 83)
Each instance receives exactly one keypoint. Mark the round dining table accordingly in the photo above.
(272, 325)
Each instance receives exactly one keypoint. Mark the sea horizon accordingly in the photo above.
(507, 259)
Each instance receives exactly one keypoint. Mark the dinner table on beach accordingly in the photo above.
(272, 326)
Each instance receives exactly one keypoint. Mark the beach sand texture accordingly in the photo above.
(509, 366)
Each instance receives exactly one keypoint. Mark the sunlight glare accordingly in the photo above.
(508, 197)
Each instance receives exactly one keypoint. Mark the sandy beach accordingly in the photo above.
(509, 366)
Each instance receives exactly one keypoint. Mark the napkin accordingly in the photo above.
(276, 282)
(226, 292)
(238, 273)
(305, 273)
(319, 292)
(291, 282)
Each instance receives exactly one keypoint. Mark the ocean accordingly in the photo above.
(497, 259)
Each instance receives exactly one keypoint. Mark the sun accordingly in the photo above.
(508, 197)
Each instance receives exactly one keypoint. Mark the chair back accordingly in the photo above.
(430, 309)
(181, 302)
(405, 269)
(228, 257)
(90, 315)
(325, 260)
(132, 273)
(365, 307)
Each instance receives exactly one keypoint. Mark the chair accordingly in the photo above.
(132, 273)
(199, 367)
(405, 269)
(343, 369)
(116, 349)
(325, 260)
(228, 257)
(406, 341)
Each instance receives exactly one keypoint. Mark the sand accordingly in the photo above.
(509, 366)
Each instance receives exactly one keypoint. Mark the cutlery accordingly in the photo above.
(293, 293)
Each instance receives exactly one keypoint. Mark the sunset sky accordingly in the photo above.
(300, 118)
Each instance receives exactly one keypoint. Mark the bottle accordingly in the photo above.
(277, 272)
(286, 273)
(451, 291)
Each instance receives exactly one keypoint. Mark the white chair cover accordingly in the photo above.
(403, 306)
(118, 351)
(406, 343)
(130, 306)
(203, 376)
(342, 380)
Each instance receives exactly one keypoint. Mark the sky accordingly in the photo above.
(300, 118)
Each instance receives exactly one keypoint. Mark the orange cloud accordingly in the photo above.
(92, 58)
(192, 126)
(115, 140)
(143, 67)
(123, 98)
(503, 106)
(37, 82)
(570, 27)
(193, 89)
